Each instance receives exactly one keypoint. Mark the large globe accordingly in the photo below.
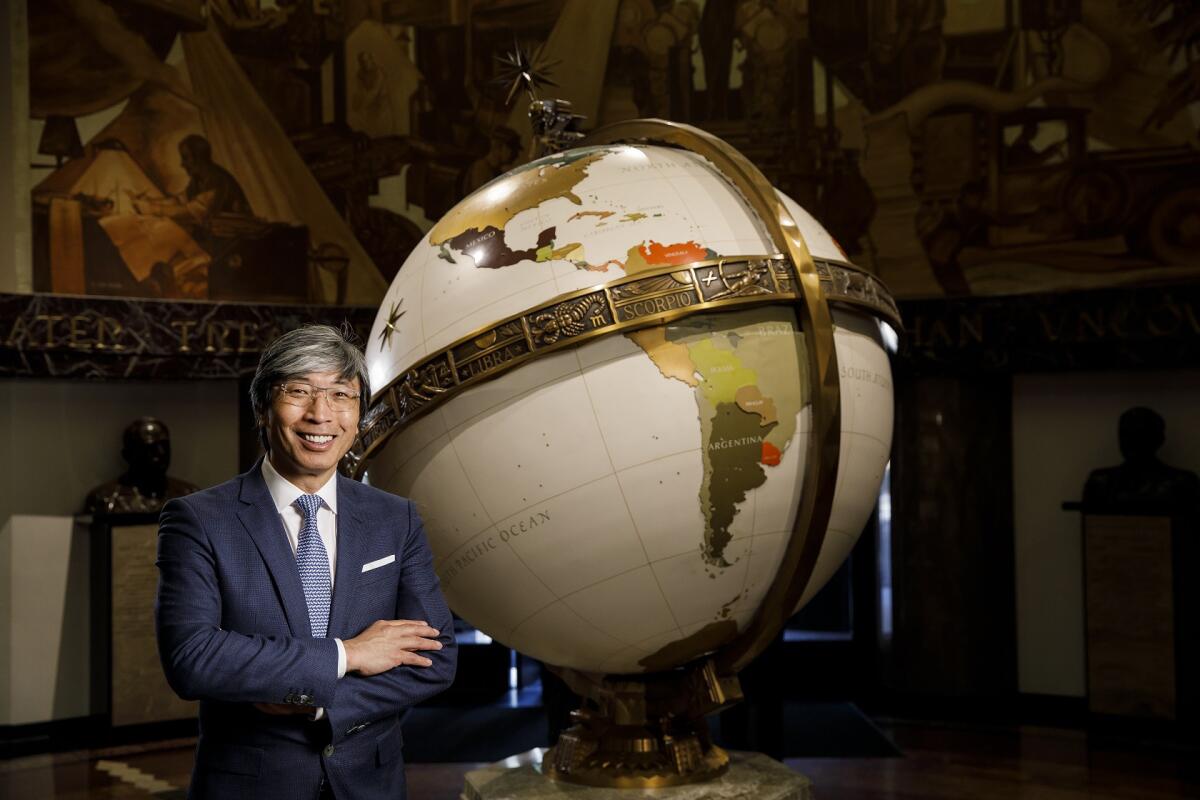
(620, 506)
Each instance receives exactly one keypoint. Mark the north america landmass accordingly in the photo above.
(478, 226)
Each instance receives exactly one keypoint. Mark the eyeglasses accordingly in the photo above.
(303, 394)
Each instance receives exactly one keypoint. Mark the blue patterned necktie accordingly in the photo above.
(313, 562)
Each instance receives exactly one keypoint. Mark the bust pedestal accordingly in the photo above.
(1131, 620)
(1140, 557)
(754, 775)
(127, 672)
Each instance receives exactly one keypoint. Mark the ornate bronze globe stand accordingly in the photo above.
(643, 731)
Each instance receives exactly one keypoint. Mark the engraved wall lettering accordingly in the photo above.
(215, 334)
(184, 326)
(51, 321)
(76, 334)
(108, 334)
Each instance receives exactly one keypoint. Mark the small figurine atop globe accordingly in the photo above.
(145, 486)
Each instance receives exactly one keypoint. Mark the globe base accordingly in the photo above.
(620, 762)
(643, 732)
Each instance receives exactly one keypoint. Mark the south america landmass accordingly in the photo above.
(749, 378)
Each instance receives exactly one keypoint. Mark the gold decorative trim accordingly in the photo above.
(846, 284)
(625, 304)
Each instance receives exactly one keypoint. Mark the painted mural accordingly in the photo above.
(295, 150)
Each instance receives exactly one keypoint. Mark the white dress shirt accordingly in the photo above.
(284, 493)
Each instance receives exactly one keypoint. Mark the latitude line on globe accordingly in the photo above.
(632, 517)
(522, 511)
(517, 555)
(512, 549)
(525, 509)
(650, 562)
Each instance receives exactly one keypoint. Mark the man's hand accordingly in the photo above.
(389, 643)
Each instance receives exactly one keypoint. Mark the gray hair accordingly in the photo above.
(312, 348)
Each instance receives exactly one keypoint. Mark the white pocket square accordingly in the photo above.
(379, 562)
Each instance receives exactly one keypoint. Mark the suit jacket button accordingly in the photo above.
(328, 751)
(304, 699)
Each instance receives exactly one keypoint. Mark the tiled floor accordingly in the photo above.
(940, 762)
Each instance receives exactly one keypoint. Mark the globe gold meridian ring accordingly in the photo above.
(824, 446)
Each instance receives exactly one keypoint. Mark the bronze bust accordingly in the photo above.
(1142, 484)
(145, 485)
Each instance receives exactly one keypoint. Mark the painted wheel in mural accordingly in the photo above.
(1094, 200)
(1173, 229)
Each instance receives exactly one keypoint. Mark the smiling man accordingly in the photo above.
(299, 606)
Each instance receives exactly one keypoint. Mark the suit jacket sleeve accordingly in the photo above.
(359, 700)
(204, 662)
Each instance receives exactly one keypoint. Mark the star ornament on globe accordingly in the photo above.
(644, 405)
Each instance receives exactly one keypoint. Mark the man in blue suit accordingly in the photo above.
(301, 607)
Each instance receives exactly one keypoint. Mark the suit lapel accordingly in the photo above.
(262, 522)
(351, 541)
